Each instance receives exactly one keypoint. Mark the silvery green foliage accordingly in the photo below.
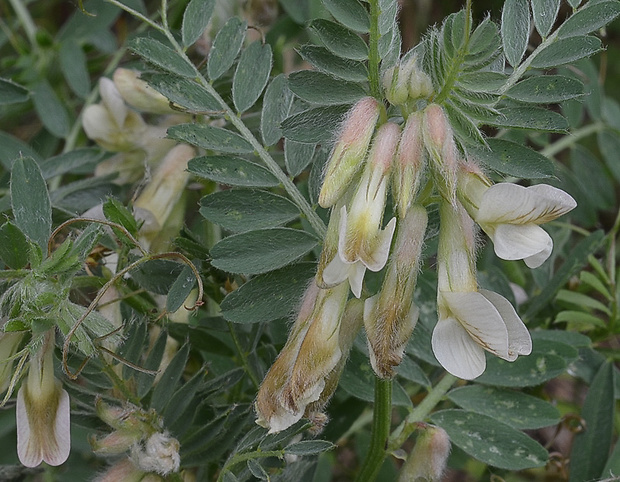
(262, 137)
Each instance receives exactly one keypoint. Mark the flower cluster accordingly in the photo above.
(419, 164)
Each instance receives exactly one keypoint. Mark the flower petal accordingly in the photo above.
(57, 451)
(28, 449)
(356, 278)
(376, 260)
(514, 204)
(512, 242)
(481, 320)
(457, 352)
(519, 339)
(112, 99)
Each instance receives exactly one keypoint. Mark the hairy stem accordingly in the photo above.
(572, 139)
(380, 431)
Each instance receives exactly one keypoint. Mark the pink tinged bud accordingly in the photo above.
(439, 142)
(408, 165)
(125, 471)
(43, 412)
(350, 150)
(115, 443)
(429, 457)
(139, 94)
(390, 316)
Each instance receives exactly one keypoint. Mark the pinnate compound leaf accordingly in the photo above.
(260, 251)
(276, 105)
(516, 409)
(245, 210)
(30, 201)
(486, 82)
(269, 296)
(531, 118)
(251, 75)
(225, 47)
(211, 138)
(156, 53)
(184, 92)
(545, 13)
(598, 414)
(232, 171)
(546, 89)
(13, 246)
(12, 93)
(349, 13)
(590, 18)
(325, 61)
(195, 20)
(340, 40)
(314, 125)
(566, 51)
(318, 88)
(491, 441)
(515, 29)
(514, 159)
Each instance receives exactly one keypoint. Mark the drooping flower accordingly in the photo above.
(390, 316)
(140, 95)
(43, 412)
(361, 238)
(429, 457)
(313, 350)
(511, 214)
(470, 321)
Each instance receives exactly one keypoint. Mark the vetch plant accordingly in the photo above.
(254, 240)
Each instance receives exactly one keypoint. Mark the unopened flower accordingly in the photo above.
(390, 316)
(43, 412)
(9, 342)
(350, 150)
(298, 376)
(439, 143)
(429, 457)
(160, 454)
(396, 81)
(361, 239)
(408, 164)
(470, 321)
(138, 94)
(510, 214)
(124, 470)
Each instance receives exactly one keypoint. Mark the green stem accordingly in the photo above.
(402, 433)
(380, 431)
(242, 354)
(571, 139)
(26, 20)
(373, 50)
(313, 218)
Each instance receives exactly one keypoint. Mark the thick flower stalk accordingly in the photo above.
(511, 214)
(313, 350)
(361, 240)
(391, 315)
(470, 321)
(43, 412)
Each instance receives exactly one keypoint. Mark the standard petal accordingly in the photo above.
(514, 204)
(57, 451)
(113, 101)
(376, 260)
(28, 449)
(335, 272)
(98, 123)
(457, 352)
(519, 339)
(512, 242)
(481, 320)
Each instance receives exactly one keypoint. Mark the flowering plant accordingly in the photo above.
(231, 226)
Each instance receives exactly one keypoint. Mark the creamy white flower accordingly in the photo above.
(471, 322)
(43, 412)
(511, 214)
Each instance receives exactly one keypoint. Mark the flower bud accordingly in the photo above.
(115, 443)
(390, 316)
(124, 471)
(439, 142)
(138, 94)
(408, 165)
(9, 342)
(396, 82)
(420, 85)
(160, 454)
(429, 456)
(350, 150)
